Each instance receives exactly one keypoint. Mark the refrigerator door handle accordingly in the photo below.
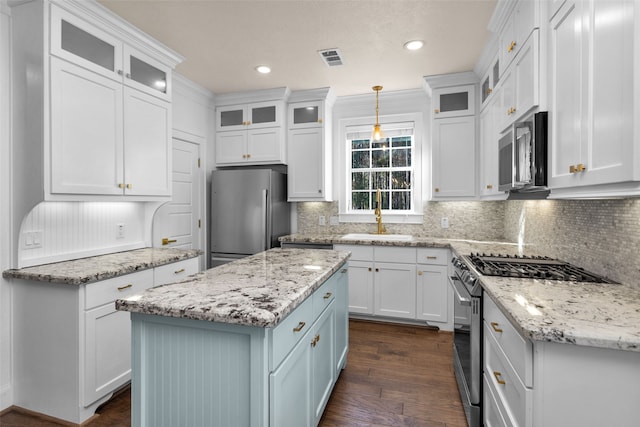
(266, 232)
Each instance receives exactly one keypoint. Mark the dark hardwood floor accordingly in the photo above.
(396, 375)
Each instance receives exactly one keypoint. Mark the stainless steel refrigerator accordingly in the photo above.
(249, 211)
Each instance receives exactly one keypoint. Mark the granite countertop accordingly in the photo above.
(259, 290)
(588, 314)
(101, 267)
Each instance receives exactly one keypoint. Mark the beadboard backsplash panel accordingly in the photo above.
(68, 230)
(602, 236)
(467, 220)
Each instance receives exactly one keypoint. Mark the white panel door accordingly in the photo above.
(147, 144)
(86, 131)
(306, 163)
(454, 160)
(395, 290)
(179, 221)
(361, 287)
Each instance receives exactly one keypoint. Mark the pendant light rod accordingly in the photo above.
(377, 133)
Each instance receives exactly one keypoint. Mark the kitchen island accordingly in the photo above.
(256, 342)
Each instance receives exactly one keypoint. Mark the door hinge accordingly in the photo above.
(198, 162)
(199, 223)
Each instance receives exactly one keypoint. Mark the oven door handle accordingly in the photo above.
(456, 288)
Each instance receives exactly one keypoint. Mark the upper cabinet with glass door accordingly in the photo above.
(306, 114)
(77, 41)
(454, 101)
(250, 116)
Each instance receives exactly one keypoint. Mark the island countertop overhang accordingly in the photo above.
(258, 291)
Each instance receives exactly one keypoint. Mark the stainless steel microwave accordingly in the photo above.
(523, 155)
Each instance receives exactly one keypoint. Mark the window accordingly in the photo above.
(385, 165)
(391, 165)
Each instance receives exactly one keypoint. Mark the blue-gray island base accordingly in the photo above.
(257, 342)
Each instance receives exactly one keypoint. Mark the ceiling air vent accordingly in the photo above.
(331, 57)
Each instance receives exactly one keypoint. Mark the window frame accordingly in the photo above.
(415, 215)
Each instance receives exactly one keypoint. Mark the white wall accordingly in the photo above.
(6, 395)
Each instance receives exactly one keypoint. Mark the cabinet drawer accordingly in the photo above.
(490, 407)
(174, 272)
(109, 290)
(518, 350)
(509, 390)
(395, 254)
(358, 252)
(433, 256)
(290, 330)
(323, 296)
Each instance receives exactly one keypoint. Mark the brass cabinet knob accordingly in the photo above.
(244, 156)
(489, 186)
(129, 186)
(248, 123)
(489, 90)
(319, 120)
(572, 169)
(419, 273)
(436, 111)
(120, 185)
(581, 167)
(511, 46)
(437, 190)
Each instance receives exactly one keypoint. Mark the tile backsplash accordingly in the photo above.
(467, 220)
(602, 236)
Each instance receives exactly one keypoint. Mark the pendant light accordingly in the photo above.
(377, 135)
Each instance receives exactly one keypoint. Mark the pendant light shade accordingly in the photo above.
(377, 134)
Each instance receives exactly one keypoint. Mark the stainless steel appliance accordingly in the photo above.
(522, 164)
(249, 211)
(468, 311)
(467, 339)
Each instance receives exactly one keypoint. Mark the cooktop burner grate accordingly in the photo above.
(533, 268)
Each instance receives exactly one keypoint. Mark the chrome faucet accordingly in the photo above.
(378, 213)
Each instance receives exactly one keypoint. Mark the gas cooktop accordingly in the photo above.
(532, 267)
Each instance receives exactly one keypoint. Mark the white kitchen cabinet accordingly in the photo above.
(489, 184)
(454, 101)
(106, 139)
(76, 346)
(489, 81)
(519, 90)
(454, 158)
(594, 140)
(341, 307)
(537, 384)
(78, 118)
(251, 132)
(400, 282)
(309, 148)
(395, 290)
(524, 17)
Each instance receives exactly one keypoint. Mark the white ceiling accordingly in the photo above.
(223, 41)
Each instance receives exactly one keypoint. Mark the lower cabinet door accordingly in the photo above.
(432, 293)
(107, 351)
(361, 287)
(395, 290)
(342, 320)
(323, 356)
(290, 387)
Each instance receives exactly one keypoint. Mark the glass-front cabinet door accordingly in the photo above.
(232, 117)
(306, 114)
(147, 74)
(264, 114)
(454, 101)
(78, 42)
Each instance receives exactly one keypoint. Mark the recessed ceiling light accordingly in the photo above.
(413, 44)
(263, 69)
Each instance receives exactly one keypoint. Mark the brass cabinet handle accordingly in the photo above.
(489, 90)
(327, 295)
(178, 271)
(344, 270)
(166, 241)
(315, 340)
(498, 376)
(489, 186)
(299, 327)
(432, 257)
(122, 288)
(494, 325)
(580, 167)
(511, 46)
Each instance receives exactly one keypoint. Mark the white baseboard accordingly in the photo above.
(6, 396)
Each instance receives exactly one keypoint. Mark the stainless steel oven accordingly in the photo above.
(467, 340)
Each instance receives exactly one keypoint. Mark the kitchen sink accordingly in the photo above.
(374, 236)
